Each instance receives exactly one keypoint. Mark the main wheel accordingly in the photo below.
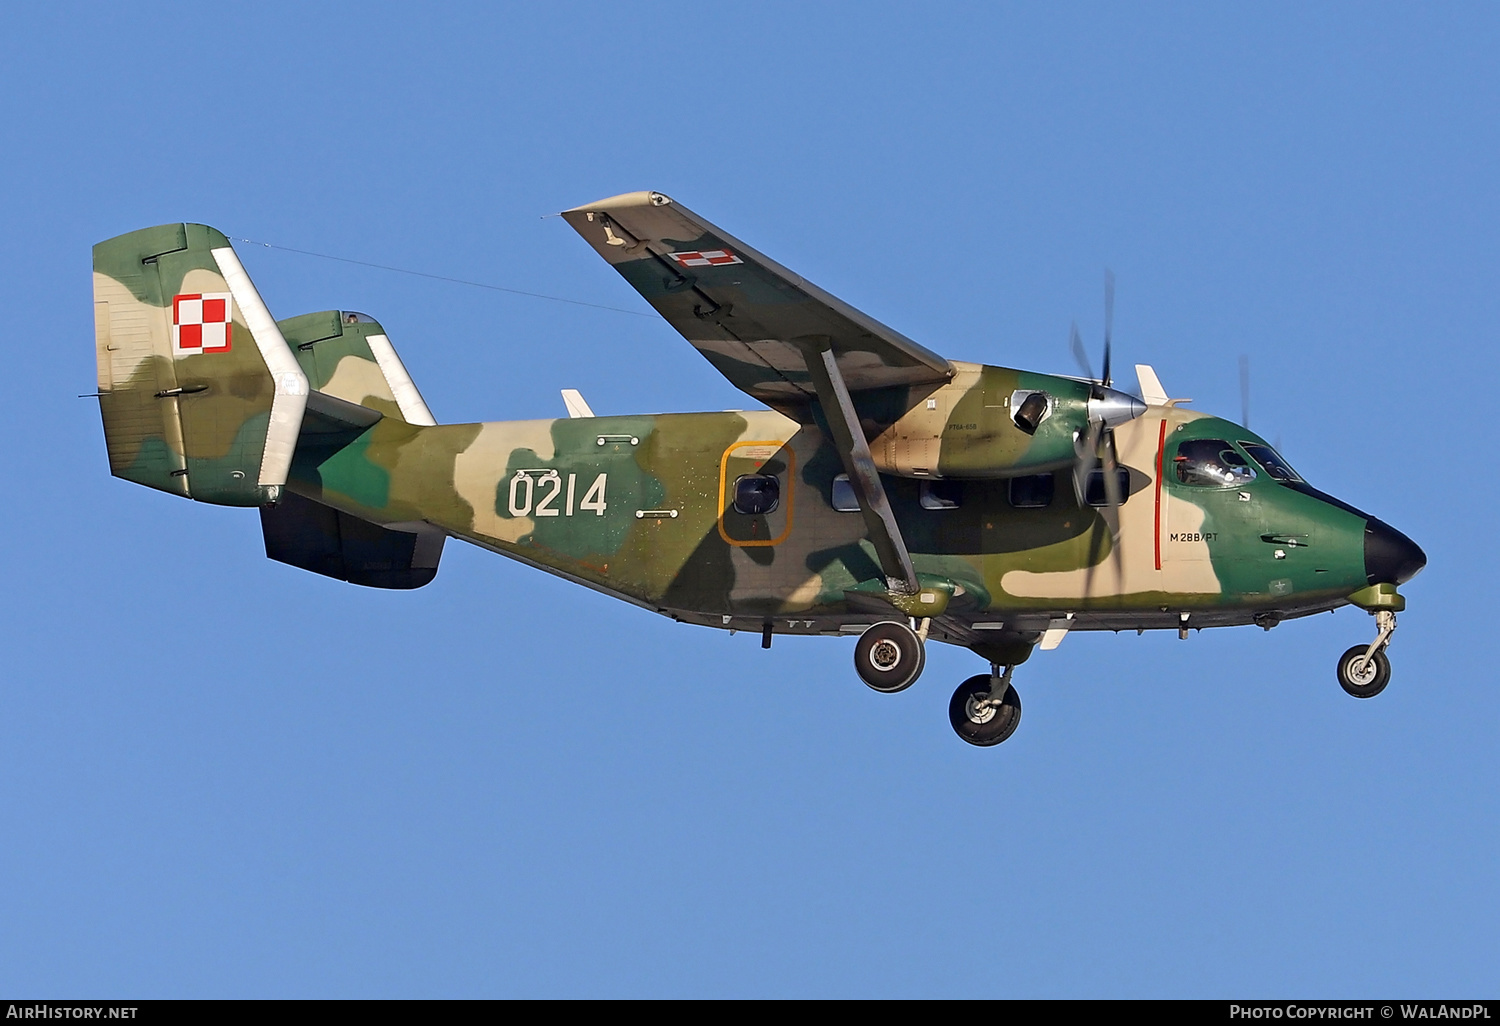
(889, 657)
(1371, 678)
(983, 727)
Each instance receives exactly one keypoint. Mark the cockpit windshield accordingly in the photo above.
(1211, 462)
(1277, 468)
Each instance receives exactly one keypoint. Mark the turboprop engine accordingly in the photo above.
(994, 422)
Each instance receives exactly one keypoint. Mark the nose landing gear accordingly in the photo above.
(1364, 670)
(985, 709)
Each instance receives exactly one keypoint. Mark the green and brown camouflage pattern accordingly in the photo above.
(156, 431)
(640, 507)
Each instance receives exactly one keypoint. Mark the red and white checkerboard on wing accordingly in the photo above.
(705, 258)
(202, 322)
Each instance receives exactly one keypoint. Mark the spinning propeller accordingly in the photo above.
(1107, 408)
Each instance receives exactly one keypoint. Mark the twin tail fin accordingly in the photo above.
(205, 395)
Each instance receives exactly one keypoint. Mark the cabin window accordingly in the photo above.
(756, 494)
(1094, 492)
(1211, 462)
(1276, 468)
(843, 498)
(1032, 492)
(940, 494)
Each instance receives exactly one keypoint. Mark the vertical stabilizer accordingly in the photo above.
(348, 355)
(199, 392)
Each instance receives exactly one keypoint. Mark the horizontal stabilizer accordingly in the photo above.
(327, 414)
(312, 536)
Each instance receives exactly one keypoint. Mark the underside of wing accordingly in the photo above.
(750, 317)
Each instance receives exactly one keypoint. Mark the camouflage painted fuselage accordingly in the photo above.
(662, 532)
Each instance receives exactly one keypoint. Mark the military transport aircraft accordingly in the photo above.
(887, 492)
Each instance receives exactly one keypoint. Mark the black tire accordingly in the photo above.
(1376, 675)
(889, 657)
(991, 727)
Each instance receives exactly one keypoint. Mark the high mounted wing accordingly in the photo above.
(774, 335)
(753, 319)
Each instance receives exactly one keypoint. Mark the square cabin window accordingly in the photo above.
(940, 494)
(1031, 492)
(842, 496)
(1094, 492)
(756, 494)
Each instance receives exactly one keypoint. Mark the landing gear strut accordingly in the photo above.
(890, 656)
(1364, 670)
(985, 709)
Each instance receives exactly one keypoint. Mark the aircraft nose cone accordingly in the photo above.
(1390, 556)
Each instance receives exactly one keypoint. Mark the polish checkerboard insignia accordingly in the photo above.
(202, 322)
(705, 258)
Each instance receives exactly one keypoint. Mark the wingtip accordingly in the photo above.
(625, 199)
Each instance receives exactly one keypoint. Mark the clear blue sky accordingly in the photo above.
(223, 776)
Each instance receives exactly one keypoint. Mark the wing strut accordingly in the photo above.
(843, 421)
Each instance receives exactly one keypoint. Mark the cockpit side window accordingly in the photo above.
(1276, 468)
(1211, 462)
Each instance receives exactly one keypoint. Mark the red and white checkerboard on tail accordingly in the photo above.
(705, 258)
(202, 322)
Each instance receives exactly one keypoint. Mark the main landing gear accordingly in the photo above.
(985, 709)
(890, 656)
(1364, 670)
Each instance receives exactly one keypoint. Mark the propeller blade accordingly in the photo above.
(1080, 354)
(1105, 456)
(1109, 321)
(1087, 451)
(1114, 498)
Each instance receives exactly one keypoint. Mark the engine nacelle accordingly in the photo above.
(993, 422)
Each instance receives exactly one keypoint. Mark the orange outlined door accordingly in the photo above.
(756, 482)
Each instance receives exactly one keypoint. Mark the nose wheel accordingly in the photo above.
(1364, 670)
(985, 710)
